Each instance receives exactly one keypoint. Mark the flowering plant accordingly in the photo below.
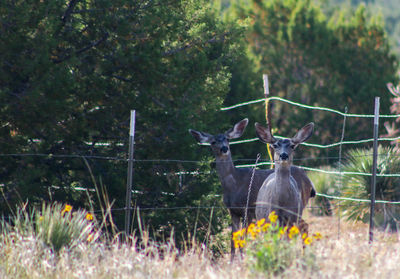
(272, 247)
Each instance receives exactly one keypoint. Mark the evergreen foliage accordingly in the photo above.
(333, 62)
(72, 71)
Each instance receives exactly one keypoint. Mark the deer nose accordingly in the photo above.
(284, 156)
(224, 149)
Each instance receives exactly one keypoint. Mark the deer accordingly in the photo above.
(235, 181)
(280, 191)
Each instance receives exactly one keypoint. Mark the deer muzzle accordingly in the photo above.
(224, 149)
(284, 156)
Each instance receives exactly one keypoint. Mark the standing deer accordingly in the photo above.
(280, 192)
(235, 181)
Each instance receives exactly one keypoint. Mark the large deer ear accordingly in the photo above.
(303, 134)
(237, 130)
(201, 136)
(264, 134)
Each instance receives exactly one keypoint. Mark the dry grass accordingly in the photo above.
(348, 257)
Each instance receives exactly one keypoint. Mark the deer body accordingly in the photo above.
(235, 181)
(280, 192)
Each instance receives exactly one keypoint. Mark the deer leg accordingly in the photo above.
(303, 227)
(235, 227)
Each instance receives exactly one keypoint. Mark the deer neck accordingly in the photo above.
(224, 165)
(282, 174)
(226, 170)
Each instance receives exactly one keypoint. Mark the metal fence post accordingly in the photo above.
(130, 174)
(374, 167)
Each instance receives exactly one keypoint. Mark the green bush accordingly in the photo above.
(359, 186)
(324, 184)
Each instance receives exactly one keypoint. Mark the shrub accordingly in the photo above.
(324, 184)
(56, 225)
(359, 186)
(271, 248)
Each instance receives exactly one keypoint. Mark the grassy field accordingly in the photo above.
(349, 256)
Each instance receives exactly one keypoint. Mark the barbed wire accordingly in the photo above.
(308, 107)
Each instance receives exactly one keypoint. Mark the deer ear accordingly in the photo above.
(200, 136)
(264, 134)
(303, 134)
(237, 130)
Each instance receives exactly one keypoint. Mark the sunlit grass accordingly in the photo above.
(24, 255)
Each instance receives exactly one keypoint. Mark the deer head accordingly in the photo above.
(283, 148)
(220, 143)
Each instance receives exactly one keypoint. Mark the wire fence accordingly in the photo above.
(261, 163)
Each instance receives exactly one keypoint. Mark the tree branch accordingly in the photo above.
(190, 45)
(79, 51)
(69, 10)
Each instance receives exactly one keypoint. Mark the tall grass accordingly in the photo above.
(23, 254)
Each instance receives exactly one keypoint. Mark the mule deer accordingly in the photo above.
(280, 192)
(235, 181)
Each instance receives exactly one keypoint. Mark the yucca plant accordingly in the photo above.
(56, 225)
(59, 226)
(359, 186)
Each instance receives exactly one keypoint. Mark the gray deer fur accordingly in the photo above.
(280, 191)
(235, 181)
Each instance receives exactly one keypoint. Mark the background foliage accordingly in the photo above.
(72, 71)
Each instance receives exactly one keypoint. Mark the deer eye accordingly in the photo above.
(292, 146)
(275, 145)
(213, 142)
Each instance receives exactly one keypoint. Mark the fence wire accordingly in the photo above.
(344, 114)
(308, 107)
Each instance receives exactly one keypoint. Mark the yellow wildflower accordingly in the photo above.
(260, 222)
(254, 232)
(265, 227)
(41, 218)
(89, 216)
(282, 231)
(90, 238)
(67, 208)
(293, 232)
(317, 236)
(307, 240)
(304, 236)
(239, 243)
(251, 227)
(273, 217)
(238, 234)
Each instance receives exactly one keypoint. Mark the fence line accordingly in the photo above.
(308, 107)
(355, 199)
(160, 160)
(249, 165)
(226, 208)
(319, 145)
(324, 171)
(197, 172)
